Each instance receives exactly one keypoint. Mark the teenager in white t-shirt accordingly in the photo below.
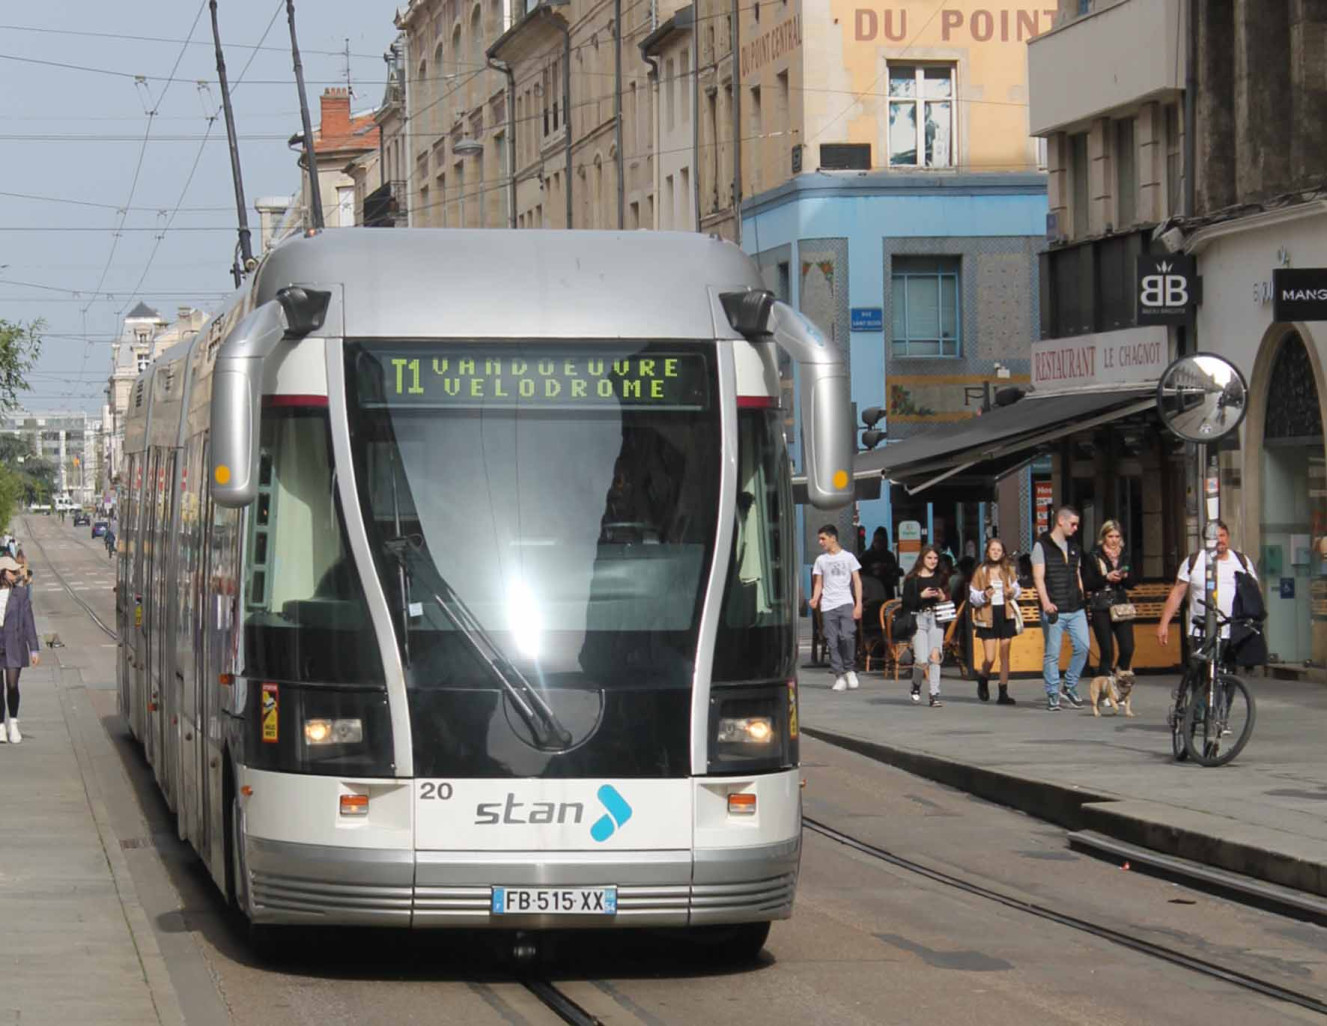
(1191, 581)
(836, 590)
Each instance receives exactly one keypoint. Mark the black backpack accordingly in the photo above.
(1247, 646)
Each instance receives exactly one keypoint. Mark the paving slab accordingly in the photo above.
(1264, 815)
(75, 946)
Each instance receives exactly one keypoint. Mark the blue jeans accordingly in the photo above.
(1053, 634)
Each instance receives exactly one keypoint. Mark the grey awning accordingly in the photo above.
(999, 435)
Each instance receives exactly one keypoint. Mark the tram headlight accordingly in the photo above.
(333, 732)
(748, 730)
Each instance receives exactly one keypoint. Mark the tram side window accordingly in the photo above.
(756, 639)
(306, 619)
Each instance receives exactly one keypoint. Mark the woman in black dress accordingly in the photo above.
(992, 593)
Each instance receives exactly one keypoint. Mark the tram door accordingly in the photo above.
(191, 634)
(152, 555)
(165, 570)
(124, 592)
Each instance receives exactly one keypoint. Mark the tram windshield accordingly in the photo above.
(545, 511)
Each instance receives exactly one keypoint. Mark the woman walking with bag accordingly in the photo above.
(926, 596)
(1106, 578)
(18, 641)
(992, 596)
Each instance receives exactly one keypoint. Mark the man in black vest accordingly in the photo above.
(1056, 560)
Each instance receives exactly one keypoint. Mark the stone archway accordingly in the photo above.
(1283, 507)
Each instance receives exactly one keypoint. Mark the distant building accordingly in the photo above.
(345, 148)
(144, 336)
(70, 441)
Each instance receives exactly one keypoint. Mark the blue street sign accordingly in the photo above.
(868, 318)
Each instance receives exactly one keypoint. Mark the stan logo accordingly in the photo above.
(1165, 290)
(617, 815)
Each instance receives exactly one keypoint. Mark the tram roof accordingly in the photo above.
(430, 282)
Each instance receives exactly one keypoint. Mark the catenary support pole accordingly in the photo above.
(315, 193)
(246, 245)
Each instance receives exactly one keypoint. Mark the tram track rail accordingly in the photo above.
(109, 631)
(559, 1003)
(1205, 967)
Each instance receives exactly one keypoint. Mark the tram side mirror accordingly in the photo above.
(825, 399)
(237, 402)
(1202, 397)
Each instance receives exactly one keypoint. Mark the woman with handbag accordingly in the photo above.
(18, 642)
(992, 597)
(1106, 578)
(926, 596)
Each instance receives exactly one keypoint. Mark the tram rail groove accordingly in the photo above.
(562, 1006)
(1137, 944)
(110, 632)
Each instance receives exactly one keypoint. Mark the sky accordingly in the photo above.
(78, 168)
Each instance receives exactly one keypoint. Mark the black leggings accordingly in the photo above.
(1107, 632)
(11, 691)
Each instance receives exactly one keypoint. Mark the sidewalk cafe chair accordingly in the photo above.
(954, 637)
(890, 649)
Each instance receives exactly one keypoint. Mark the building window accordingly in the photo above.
(1126, 175)
(684, 187)
(921, 115)
(670, 103)
(143, 360)
(926, 315)
(1078, 171)
(1174, 174)
(504, 174)
(684, 86)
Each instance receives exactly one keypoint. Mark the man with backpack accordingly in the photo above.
(1191, 582)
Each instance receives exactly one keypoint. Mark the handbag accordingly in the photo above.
(903, 625)
(945, 612)
(1016, 615)
(1122, 612)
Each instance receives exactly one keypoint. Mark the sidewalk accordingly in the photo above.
(75, 945)
(1263, 816)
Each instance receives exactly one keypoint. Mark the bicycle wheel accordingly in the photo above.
(1177, 745)
(1217, 731)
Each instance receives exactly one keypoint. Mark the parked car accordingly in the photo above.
(98, 528)
(82, 518)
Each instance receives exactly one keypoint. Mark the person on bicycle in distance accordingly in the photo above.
(1192, 579)
(1056, 571)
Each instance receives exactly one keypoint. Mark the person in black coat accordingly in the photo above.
(18, 641)
(1107, 577)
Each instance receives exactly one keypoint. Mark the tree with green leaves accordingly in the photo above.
(36, 477)
(20, 345)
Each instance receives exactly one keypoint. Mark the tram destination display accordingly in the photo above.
(456, 377)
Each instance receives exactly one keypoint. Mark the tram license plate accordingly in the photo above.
(564, 901)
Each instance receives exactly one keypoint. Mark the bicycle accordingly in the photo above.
(1214, 712)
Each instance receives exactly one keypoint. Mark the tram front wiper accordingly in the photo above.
(548, 732)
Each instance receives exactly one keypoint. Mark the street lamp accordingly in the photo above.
(467, 147)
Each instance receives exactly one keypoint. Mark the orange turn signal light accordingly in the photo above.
(354, 805)
(246, 790)
(741, 805)
(226, 679)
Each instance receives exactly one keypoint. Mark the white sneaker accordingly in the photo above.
(14, 736)
(853, 682)
(4, 731)
(840, 684)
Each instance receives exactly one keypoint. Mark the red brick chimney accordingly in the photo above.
(335, 122)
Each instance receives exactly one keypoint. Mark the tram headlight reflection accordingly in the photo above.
(333, 732)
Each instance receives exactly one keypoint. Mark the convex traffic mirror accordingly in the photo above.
(1202, 397)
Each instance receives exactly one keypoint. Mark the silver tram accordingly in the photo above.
(458, 577)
